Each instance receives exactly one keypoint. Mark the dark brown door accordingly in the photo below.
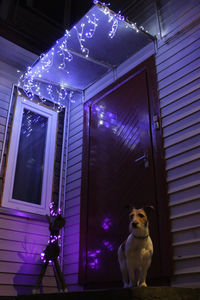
(120, 172)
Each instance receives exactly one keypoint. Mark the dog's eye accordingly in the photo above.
(141, 215)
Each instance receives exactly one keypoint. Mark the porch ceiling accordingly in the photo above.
(99, 42)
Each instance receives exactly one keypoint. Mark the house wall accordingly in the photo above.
(178, 71)
(73, 191)
(22, 236)
(177, 62)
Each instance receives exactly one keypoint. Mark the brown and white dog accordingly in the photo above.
(136, 252)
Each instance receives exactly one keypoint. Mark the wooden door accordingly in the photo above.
(118, 171)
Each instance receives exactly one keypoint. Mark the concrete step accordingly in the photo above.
(149, 293)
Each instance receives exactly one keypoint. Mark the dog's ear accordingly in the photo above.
(148, 209)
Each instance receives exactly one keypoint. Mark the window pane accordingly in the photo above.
(30, 159)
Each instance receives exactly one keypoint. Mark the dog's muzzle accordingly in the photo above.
(134, 224)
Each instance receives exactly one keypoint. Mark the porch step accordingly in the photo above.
(149, 293)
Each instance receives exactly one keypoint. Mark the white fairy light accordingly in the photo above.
(62, 93)
(114, 29)
(112, 17)
(71, 93)
(50, 91)
(47, 59)
(29, 81)
(91, 32)
(81, 40)
(64, 52)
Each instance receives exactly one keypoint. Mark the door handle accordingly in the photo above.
(140, 158)
(143, 158)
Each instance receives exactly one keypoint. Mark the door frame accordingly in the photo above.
(159, 169)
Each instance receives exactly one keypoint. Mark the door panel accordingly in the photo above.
(120, 172)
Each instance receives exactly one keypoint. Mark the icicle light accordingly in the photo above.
(29, 81)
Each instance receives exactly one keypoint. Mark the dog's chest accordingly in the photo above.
(139, 250)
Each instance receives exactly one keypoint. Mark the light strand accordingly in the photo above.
(81, 40)
(94, 22)
(64, 52)
(86, 30)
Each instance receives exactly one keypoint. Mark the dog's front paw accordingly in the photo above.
(143, 284)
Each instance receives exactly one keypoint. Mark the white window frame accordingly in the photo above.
(49, 157)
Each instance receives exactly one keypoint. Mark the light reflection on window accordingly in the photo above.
(30, 158)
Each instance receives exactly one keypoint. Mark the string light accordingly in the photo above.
(50, 91)
(81, 40)
(64, 52)
(54, 212)
(46, 61)
(62, 94)
(71, 93)
(91, 32)
(114, 28)
(29, 81)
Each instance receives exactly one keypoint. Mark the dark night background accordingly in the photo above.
(35, 25)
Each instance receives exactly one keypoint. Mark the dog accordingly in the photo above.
(135, 254)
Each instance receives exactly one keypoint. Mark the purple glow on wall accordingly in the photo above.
(107, 223)
(108, 245)
(93, 259)
(94, 256)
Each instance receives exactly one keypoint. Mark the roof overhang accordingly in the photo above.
(99, 43)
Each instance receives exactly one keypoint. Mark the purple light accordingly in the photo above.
(92, 255)
(110, 115)
(108, 245)
(106, 224)
(94, 259)
(54, 212)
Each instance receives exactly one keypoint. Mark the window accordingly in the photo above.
(30, 164)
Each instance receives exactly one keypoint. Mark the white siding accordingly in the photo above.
(22, 238)
(73, 190)
(178, 70)
(21, 242)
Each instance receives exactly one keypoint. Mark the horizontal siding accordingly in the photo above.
(15, 56)
(181, 113)
(184, 170)
(21, 242)
(73, 192)
(21, 239)
(187, 12)
(178, 70)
